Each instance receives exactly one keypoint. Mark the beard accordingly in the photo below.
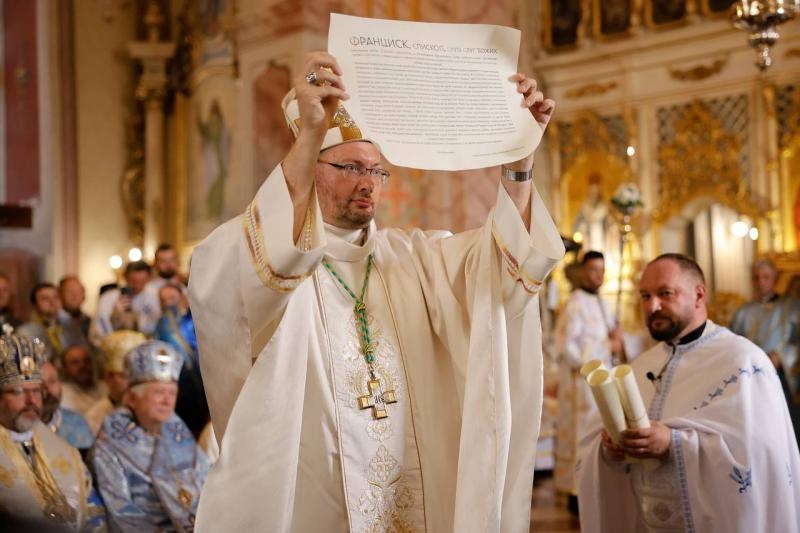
(167, 274)
(665, 333)
(351, 217)
(26, 418)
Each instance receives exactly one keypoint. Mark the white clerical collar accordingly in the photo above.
(353, 236)
(349, 245)
(21, 437)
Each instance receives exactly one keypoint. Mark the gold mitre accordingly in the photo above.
(342, 128)
(116, 345)
(152, 361)
(21, 358)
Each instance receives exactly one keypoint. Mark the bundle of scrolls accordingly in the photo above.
(617, 396)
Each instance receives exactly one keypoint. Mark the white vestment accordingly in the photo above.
(455, 323)
(75, 397)
(581, 335)
(98, 412)
(733, 465)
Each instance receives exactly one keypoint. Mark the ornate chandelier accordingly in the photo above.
(760, 19)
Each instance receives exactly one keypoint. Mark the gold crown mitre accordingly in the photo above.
(152, 361)
(116, 345)
(342, 127)
(21, 358)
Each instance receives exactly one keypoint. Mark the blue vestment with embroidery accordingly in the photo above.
(148, 483)
(72, 427)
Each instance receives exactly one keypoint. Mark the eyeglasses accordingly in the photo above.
(19, 391)
(352, 170)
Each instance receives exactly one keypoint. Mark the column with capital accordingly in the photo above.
(153, 54)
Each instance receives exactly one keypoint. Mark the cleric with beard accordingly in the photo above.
(720, 450)
(45, 482)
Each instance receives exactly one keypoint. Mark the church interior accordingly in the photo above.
(129, 123)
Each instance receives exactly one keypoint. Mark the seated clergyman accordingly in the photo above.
(148, 466)
(42, 478)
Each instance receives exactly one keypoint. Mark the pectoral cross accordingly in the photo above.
(377, 399)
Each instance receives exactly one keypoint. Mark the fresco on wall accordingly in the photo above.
(271, 135)
(209, 180)
(215, 48)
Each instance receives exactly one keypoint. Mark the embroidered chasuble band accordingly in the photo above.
(379, 454)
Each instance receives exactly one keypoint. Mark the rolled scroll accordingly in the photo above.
(608, 402)
(590, 366)
(631, 398)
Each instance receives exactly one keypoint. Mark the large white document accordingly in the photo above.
(434, 96)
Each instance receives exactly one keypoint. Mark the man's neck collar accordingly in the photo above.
(692, 336)
(25, 436)
(340, 248)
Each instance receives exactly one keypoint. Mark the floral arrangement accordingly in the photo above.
(627, 198)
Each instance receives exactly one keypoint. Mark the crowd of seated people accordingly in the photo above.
(113, 402)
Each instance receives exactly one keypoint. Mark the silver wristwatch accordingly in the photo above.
(516, 175)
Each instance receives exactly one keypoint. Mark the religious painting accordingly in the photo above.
(210, 191)
(271, 136)
(214, 16)
(611, 18)
(562, 21)
(661, 14)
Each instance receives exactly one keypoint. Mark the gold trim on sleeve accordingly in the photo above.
(258, 254)
(529, 283)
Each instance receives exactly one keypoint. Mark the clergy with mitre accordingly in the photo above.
(148, 467)
(363, 379)
(44, 484)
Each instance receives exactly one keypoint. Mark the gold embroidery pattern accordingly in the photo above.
(6, 477)
(529, 283)
(387, 498)
(258, 254)
(62, 465)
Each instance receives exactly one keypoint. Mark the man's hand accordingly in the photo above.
(540, 107)
(317, 103)
(647, 443)
(612, 449)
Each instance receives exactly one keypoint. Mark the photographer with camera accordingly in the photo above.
(126, 307)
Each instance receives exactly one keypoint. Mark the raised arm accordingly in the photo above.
(542, 110)
(317, 103)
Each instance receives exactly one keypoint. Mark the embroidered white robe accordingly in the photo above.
(734, 464)
(460, 340)
(581, 335)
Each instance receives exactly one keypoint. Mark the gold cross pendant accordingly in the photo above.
(377, 399)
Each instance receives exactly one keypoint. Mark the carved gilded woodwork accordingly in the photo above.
(702, 160)
(132, 179)
(591, 89)
(790, 176)
(699, 72)
(724, 305)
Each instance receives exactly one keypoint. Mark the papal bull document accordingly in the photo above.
(434, 96)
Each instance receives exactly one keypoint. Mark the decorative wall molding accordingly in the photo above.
(699, 72)
(591, 89)
(792, 52)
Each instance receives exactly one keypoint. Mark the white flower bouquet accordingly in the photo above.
(627, 198)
